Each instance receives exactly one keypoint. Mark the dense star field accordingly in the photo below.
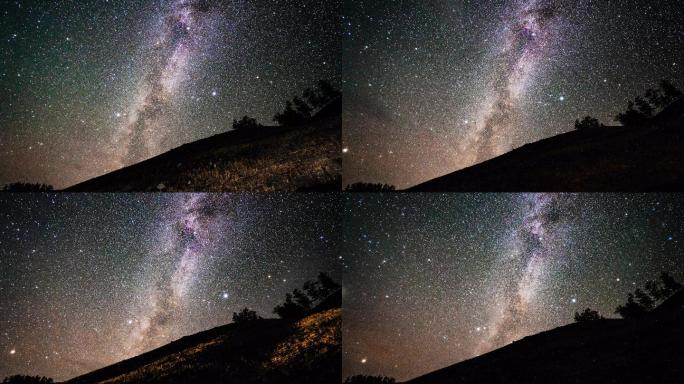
(87, 87)
(435, 86)
(431, 280)
(88, 280)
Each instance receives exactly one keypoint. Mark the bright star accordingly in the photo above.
(213, 93)
(13, 351)
(562, 98)
(225, 295)
(363, 361)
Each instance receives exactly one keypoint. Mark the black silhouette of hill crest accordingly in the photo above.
(641, 158)
(646, 350)
(268, 158)
(263, 351)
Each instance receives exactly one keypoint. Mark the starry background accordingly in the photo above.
(431, 280)
(421, 77)
(88, 280)
(75, 76)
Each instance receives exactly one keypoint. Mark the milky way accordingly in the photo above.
(432, 87)
(524, 45)
(89, 280)
(177, 41)
(434, 279)
(533, 244)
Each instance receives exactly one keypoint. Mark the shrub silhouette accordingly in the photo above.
(587, 315)
(641, 302)
(27, 187)
(369, 187)
(245, 123)
(364, 379)
(245, 316)
(298, 304)
(23, 379)
(587, 123)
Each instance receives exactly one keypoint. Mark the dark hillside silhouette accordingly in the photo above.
(648, 348)
(251, 350)
(645, 154)
(302, 156)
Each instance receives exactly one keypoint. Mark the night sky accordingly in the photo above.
(87, 87)
(431, 280)
(88, 280)
(435, 86)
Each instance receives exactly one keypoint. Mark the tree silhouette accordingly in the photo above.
(631, 309)
(661, 290)
(670, 92)
(588, 123)
(245, 316)
(302, 299)
(23, 379)
(245, 123)
(303, 109)
(323, 287)
(298, 304)
(27, 187)
(369, 187)
(655, 101)
(587, 315)
(364, 379)
(289, 116)
(644, 107)
(289, 309)
(631, 116)
(644, 300)
(641, 302)
(322, 95)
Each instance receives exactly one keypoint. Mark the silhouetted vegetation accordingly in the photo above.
(245, 123)
(245, 316)
(644, 108)
(301, 109)
(369, 187)
(641, 302)
(364, 379)
(298, 304)
(27, 187)
(587, 315)
(587, 123)
(22, 379)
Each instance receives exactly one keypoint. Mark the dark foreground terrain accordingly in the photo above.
(301, 158)
(642, 158)
(265, 351)
(646, 350)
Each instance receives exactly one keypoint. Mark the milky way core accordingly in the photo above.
(524, 45)
(184, 30)
(533, 244)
